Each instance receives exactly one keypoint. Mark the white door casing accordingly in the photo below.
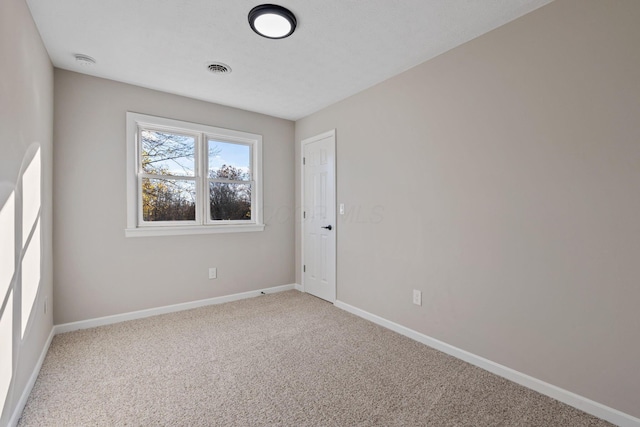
(319, 216)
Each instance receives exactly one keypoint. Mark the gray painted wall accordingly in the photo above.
(503, 180)
(26, 126)
(99, 272)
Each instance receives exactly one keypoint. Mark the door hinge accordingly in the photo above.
(304, 160)
(304, 214)
(304, 268)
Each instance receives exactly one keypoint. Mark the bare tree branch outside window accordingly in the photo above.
(230, 200)
(169, 194)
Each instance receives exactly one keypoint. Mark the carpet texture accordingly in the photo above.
(286, 359)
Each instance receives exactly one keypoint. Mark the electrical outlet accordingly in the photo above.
(341, 208)
(417, 297)
(213, 273)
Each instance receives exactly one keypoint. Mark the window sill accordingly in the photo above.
(191, 229)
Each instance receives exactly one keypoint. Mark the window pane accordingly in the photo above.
(229, 161)
(168, 200)
(230, 201)
(168, 154)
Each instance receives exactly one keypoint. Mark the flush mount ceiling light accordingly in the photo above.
(272, 21)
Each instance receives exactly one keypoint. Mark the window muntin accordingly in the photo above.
(189, 178)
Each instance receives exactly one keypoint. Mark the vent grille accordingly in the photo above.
(219, 68)
(84, 59)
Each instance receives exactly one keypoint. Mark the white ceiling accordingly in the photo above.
(339, 48)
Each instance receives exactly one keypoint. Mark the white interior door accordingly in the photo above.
(319, 216)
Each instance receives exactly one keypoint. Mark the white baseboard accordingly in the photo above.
(589, 406)
(17, 412)
(108, 320)
(299, 287)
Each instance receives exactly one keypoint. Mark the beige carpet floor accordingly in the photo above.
(285, 359)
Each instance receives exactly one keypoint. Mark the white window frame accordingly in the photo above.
(137, 227)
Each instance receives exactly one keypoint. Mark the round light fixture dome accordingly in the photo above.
(272, 21)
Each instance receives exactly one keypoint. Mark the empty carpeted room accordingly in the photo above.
(203, 221)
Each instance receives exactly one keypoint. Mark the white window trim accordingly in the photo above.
(135, 228)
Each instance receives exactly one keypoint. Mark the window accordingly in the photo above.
(186, 178)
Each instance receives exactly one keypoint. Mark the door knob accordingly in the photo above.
(328, 227)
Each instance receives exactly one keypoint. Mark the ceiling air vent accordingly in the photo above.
(84, 60)
(219, 68)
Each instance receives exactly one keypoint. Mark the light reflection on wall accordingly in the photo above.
(30, 276)
(7, 245)
(30, 197)
(6, 346)
(7, 271)
(30, 267)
